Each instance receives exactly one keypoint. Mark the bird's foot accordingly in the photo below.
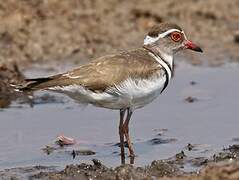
(132, 157)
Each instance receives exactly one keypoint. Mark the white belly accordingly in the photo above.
(135, 93)
(130, 93)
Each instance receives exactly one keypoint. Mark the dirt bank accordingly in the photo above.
(9, 74)
(43, 31)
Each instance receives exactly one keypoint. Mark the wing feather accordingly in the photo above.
(103, 72)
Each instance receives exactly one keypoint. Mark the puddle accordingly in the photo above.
(199, 108)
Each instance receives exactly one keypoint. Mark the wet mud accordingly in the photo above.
(224, 165)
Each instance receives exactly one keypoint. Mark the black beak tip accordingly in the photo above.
(198, 49)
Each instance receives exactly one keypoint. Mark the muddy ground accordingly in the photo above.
(55, 32)
(223, 165)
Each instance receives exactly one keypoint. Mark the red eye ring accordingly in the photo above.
(176, 36)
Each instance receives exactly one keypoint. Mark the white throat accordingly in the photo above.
(166, 61)
(168, 58)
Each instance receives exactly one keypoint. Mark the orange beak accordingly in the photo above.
(192, 46)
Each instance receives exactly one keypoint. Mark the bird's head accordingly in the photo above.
(169, 38)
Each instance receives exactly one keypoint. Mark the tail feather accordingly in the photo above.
(38, 79)
(31, 84)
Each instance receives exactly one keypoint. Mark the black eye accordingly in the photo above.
(176, 36)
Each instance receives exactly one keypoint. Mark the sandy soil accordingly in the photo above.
(43, 31)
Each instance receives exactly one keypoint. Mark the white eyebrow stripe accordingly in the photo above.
(150, 40)
(185, 37)
(162, 35)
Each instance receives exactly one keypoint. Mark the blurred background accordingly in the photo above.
(75, 30)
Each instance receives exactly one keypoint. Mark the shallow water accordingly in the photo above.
(159, 131)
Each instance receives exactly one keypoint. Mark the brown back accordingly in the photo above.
(106, 71)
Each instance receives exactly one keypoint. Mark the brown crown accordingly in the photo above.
(158, 29)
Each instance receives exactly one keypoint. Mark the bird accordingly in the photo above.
(124, 81)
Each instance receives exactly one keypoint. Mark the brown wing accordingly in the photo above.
(104, 72)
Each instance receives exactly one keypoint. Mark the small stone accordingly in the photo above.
(75, 153)
(156, 141)
(191, 99)
(190, 147)
(193, 83)
(180, 155)
(48, 149)
(97, 162)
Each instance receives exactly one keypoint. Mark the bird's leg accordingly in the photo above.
(126, 132)
(121, 134)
